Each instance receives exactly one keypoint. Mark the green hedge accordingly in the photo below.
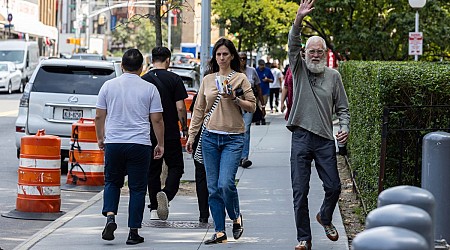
(370, 87)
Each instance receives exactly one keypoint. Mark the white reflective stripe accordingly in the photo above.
(90, 168)
(189, 115)
(87, 145)
(39, 163)
(38, 190)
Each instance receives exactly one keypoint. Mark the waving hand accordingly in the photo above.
(306, 6)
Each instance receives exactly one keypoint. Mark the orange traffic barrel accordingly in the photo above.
(39, 185)
(86, 160)
(188, 103)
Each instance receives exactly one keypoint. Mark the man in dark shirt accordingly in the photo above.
(173, 93)
(265, 77)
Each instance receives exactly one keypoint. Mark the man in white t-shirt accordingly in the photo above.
(275, 87)
(125, 106)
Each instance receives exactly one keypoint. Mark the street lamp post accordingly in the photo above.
(417, 4)
(206, 36)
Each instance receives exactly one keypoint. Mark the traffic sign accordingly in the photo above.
(10, 17)
(9, 25)
(415, 43)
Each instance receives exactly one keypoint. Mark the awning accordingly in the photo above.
(36, 28)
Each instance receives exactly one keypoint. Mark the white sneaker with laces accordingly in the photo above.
(154, 215)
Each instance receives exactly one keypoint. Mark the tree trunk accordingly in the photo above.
(158, 23)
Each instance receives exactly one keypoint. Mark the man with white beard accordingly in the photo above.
(317, 93)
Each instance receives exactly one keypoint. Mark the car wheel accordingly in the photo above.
(9, 87)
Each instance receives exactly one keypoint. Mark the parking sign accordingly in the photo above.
(415, 43)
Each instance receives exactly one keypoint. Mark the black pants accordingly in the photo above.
(173, 156)
(274, 94)
(305, 148)
(201, 184)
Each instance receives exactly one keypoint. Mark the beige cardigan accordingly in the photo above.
(227, 116)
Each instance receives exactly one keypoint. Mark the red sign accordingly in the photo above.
(415, 43)
(331, 59)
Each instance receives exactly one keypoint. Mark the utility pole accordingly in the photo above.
(88, 25)
(78, 21)
(206, 36)
(169, 27)
(7, 13)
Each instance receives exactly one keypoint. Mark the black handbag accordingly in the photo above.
(258, 115)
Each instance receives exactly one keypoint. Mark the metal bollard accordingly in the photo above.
(403, 216)
(409, 195)
(435, 178)
(389, 238)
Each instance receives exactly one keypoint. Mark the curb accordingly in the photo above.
(61, 221)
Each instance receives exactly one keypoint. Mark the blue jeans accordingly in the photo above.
(221, 155)
(306, 147)
(248, 122)
(126, 159)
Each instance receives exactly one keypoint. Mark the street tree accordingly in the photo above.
(256, 23)
(363, 30)
(379, 29)
(143, 36)
(162, 9)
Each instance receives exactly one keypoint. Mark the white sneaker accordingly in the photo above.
(154, 215)
(163, 205)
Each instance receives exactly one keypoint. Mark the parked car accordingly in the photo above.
(87, 56)
(59, 93)
(10, 78)
(25, 55)
(182, 58)
(189, 74)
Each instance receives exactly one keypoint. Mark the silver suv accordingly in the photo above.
(59, 93)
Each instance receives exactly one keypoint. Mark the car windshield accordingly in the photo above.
(71, 79)
(3, 67)
(15, 56)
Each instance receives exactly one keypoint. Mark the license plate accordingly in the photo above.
(72, 114)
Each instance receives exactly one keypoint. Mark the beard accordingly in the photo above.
(316, 67)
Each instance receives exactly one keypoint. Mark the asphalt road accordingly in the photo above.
(15, 231)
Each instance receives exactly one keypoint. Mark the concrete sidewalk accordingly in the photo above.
(266, 204)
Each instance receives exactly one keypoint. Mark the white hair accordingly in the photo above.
(316, 39)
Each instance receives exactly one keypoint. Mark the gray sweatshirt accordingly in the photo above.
(315, 96)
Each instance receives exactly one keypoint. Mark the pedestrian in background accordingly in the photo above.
(265, 77)
(201, 187)
(125, 106)
(275, 87)
(286, 93)
(146, 66)
(222, 137)
(253, 78)
(318, 92)
(172, 91)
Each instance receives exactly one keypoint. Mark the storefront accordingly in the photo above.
(25, 25)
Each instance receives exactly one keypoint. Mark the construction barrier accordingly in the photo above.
(188, 103)
(86, 160)
(39, 182)
(39, 178)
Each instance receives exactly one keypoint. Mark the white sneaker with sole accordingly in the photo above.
(154, 215)
(163, 205)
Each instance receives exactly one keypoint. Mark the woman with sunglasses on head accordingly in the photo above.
(217, 115)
